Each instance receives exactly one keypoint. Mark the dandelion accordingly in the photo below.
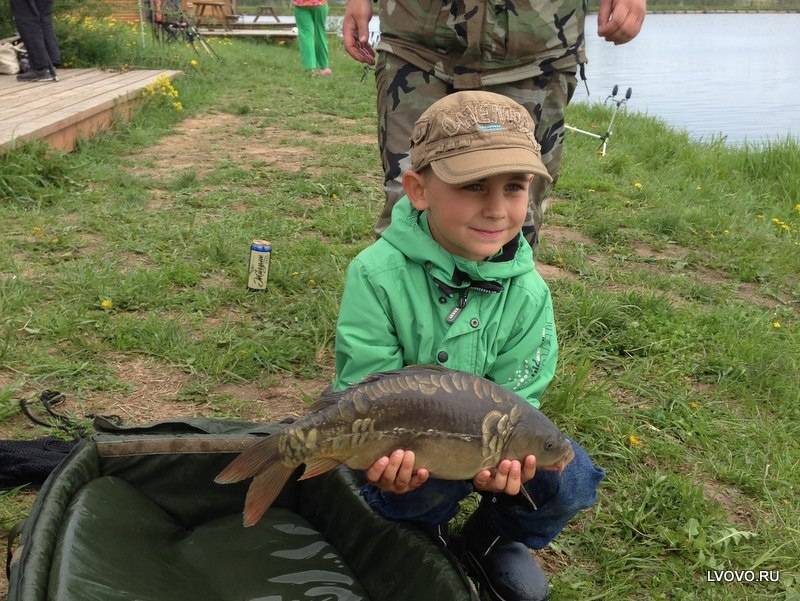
(726, 231)
(106, 304)
(295, 274)
(178, 106)
(776, 325)
(193, 62)
(797, 207)
(694, 405)
(312, 282)
(334, 197)
(637, 185)
(634, 441)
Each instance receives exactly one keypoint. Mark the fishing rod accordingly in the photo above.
(617, 102)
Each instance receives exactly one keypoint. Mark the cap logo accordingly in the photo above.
(478, 115)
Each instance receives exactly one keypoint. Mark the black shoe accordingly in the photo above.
(505, 569)
(53, 73)
(37, 75)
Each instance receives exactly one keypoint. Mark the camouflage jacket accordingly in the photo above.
(478, 43)
(399, 308)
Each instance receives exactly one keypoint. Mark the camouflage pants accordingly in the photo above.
(405, 91)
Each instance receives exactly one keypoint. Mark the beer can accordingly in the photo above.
(258, 267)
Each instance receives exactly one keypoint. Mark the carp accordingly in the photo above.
(456, 423)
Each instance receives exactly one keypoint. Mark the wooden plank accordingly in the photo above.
(67, 78)
(44, 104)
(30, 92)
(78, 111)
(82, 118)
(255, 33)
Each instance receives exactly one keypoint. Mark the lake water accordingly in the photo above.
(731, 75)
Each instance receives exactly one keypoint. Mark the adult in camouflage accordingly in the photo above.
(451, 282)
(529, 50)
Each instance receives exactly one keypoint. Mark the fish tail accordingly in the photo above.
(263, 490)
(263, 462)
(251, 462)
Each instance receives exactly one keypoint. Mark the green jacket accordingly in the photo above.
(401, 290)
(479, 43)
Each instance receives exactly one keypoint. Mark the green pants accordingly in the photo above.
(404, 92)
(310, 22)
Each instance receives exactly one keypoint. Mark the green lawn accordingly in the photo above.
(674, 270)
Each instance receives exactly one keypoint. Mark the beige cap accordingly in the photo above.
(470, 135)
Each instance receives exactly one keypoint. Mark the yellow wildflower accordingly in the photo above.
(106, 304)
(776, 324)
(634, 441)
(637, 185)
(178, 106)
(295, 274)
(797, 207)
(694, 405)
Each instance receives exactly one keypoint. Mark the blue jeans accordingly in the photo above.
(558, 497)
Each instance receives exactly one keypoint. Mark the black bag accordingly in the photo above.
(134, 513)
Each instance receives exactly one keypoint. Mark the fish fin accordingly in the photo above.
(250, 462)
(263, 490)
(428, 366)
(328, 398)
(406, 370)
(317, 466)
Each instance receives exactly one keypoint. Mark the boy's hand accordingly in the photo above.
(508, 478)
(396, 473)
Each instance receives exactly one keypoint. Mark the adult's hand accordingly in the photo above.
(355, 30)
(396, 474)
(620, 20)
(508, 477)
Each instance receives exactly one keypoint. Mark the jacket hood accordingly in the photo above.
(408, 232)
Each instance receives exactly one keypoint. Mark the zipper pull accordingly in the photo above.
(462, 302)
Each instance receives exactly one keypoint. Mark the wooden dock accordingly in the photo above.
(81, 103)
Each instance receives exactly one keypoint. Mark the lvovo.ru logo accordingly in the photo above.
(743, 575)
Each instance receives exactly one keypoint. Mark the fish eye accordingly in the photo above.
(548, 446)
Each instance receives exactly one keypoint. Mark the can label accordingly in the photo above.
(258, 267)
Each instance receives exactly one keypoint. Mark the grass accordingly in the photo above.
(675, 287)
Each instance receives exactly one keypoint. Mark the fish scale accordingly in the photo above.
(456, 423)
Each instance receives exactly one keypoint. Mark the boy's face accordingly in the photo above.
(473, 220)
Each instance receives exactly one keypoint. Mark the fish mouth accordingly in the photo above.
(563, 462)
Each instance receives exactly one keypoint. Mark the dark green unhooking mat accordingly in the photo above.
(117, 544)
(134, 515)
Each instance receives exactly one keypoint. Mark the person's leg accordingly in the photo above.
(304, 20)
(432, 504)
(48, 31)
(546, 97)
(30, 31)
(321, 38)
(404, 92)
(558, 497)
(499, 533)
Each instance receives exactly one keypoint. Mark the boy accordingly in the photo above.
(451, 282)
